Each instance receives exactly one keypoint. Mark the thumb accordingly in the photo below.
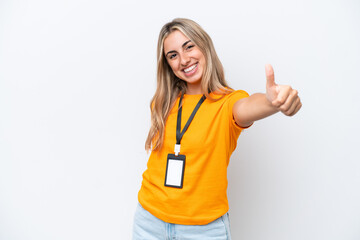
(270, 79)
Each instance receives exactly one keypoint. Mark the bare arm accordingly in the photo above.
(259, 105)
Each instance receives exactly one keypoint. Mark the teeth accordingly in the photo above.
(190, 68)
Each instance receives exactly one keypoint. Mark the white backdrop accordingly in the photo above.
(76, 79)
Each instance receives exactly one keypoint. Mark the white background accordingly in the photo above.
(76, 79)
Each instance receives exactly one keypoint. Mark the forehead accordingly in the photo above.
(174, 41)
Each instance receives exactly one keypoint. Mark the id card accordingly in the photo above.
(175, 167)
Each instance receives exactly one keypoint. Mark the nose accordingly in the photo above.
(185, 59)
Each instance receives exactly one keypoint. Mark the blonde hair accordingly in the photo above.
(170, 86)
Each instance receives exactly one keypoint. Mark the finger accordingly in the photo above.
(298, 107)
(284, 92)
(289, 101)
(293, 106)
(270, 79)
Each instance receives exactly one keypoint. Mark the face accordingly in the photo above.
(184, 57)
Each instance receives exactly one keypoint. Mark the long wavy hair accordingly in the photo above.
(170, 86)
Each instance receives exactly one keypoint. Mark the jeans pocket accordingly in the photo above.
(226, 220)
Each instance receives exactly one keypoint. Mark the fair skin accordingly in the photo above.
(186, 60)
(188, 63)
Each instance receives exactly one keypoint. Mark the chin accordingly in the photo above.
(192, 80)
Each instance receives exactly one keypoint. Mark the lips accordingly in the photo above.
(191, 70)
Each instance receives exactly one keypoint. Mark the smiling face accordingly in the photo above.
(185, 59)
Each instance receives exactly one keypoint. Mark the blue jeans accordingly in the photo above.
(148, 227)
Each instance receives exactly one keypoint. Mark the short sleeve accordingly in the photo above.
(233, 98)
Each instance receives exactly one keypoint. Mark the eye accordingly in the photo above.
(172, 56)
(190, 46)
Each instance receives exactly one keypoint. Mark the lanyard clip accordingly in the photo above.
(177, 149)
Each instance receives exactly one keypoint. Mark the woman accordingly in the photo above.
(196, 119)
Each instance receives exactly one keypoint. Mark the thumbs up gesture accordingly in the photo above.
(282, 97)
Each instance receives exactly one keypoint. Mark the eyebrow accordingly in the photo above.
(184, 44)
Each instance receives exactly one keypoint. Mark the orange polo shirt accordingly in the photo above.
(207, 144)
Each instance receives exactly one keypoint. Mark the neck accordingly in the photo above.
(193, 89)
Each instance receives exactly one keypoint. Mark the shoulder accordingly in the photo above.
(229, 93)
(233, 96)
(238, 94)
(228, 99)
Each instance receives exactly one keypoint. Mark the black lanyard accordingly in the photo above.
(179, 133)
